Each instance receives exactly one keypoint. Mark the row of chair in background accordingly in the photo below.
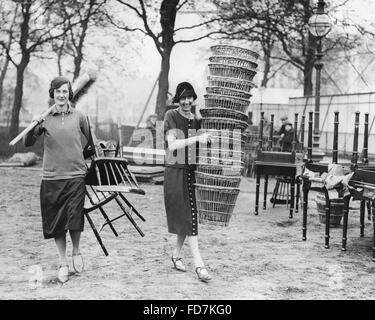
(362, 187)
(280, 164)
(361, 170)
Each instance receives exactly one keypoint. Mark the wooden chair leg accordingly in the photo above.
(129, 217)
(345, 222)
(292, 190)
(108, 221)
(298, 195)
(282, 191)
(96, 233)
(362, 218)
(257, 195)
(275, 192)
(305, 191)
(265, 192)
(131, 206)
(328, 216)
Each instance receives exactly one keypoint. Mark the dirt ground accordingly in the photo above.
(255, 257)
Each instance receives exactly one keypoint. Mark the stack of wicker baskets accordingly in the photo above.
(220, 166)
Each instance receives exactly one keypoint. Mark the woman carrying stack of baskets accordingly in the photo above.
(180, 127)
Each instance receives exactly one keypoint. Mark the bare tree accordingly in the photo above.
(89, 12)
(36, 29)
(283, 24)
(164, 40)
(7, 47)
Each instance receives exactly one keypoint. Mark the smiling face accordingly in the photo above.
(61, 95)
(186, 103)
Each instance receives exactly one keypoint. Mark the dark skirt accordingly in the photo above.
(179, 200)
(61, 203)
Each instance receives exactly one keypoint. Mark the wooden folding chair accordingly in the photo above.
(107, 179)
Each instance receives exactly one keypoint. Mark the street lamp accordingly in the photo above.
(319, 26)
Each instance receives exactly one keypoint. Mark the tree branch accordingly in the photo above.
(131, 7)
(147, 30)
(181, 5)
(125, 28)
(208, 35)
(2, 43)
(198, 25)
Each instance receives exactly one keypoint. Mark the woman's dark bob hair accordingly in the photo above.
(184, 89)
(57, 83)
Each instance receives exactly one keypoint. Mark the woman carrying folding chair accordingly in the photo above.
(179, 177)
(62, 192)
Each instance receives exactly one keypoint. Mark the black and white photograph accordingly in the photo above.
(200, 151)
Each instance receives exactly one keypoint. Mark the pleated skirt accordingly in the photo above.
(62, 203)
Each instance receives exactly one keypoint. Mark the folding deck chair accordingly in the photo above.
(108, 179)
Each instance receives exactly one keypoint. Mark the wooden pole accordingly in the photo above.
(309, 138)
(354, 159)
(365, 141)
(335, 137)
(144, 109)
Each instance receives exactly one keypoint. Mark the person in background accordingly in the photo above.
(151, 125)
(284, 121)
(62, 191)
(287, 139)
(281, 132)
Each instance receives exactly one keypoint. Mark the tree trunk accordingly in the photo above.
(18, 93)
(163, 85)
(77, 65)
(267, 67)
(6, 64)
(168, 11)
(79, 53)
(309, 67)
(2, 78)
(84, 26)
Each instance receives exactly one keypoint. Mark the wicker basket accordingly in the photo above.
(237, 160)
(223, 113)
(233, 136)
(223, 124)
(230, 83)
(227, 102)
(217, 180)
(222, 152)
(223, 70)
(234, 61)
(228, 50)
(228, 92)
(215, 204)
(225, 140)
(227, 171)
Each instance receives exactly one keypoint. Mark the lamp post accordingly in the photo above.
(319, 26)
(261, 91)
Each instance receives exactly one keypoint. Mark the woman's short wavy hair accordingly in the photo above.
(57, 83)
